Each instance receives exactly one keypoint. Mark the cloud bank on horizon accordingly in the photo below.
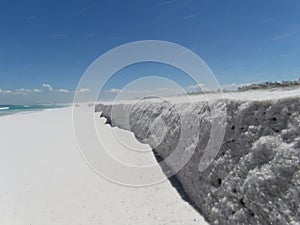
(45, 94)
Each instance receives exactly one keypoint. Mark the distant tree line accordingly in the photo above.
(269, 84)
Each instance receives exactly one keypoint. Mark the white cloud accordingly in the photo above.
(48, 86)
(37, 90)
(21, 91)
(114, 91)
(63, 90)
(5, 91)
(41, 95)
(84, 90)
(24, 91)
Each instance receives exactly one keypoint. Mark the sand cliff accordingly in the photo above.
(255, 177)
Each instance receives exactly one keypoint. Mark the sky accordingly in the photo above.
(46, 45)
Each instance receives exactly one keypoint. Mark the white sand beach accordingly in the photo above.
(44, 180)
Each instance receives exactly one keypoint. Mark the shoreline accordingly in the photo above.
(31, 110)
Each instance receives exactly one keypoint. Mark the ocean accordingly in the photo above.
(11, 109)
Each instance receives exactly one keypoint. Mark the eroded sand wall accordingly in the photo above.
(255, 178)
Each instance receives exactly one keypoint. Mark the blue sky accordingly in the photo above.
(53, 42)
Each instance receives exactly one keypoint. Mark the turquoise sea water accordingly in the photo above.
(11, 109)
